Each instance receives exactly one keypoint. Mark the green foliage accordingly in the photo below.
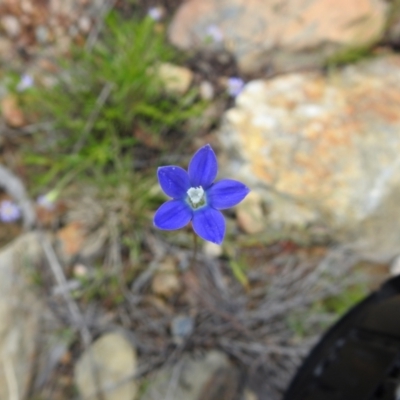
(239, 272)
(339, 305)
(327, 310)
(101, 96)
(103, 286)
(349, 55)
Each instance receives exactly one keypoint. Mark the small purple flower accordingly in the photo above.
(214, 33)
(196, 198)
(9, 211)
(26, 82)
(46, 201)
(155, 13)
(235, 86)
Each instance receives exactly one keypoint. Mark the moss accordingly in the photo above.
(349, 55)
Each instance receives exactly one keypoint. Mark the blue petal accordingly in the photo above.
(203, 167)
(209, 224)
(174, 181)
(226, 193)
(173, 214)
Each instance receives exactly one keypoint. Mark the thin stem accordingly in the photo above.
(193, 260)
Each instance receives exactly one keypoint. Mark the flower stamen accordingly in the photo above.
(196, 196)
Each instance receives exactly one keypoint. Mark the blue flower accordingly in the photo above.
(196, 198)
(214, 33)
(235, 86)
(26, 82)
(9, 211)
(155, 13)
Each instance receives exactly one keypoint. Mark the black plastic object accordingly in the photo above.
(359, 357)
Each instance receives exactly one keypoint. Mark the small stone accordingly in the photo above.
(210, 377)
(11, 112)
(84, 24)
(176, 79)
(5, 48)
(80, 270)
(165, 281)
(212, 250)
(206, 90)
(250, 214)
(73, 31)
(249, 395)
(10, 25)
(42, 34)
(395, 267)
(71, 239)
(182, 326)
(107, 365)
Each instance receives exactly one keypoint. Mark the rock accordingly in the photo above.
(395, 267)
(211, 377)
(249, 395)
(212, 250)
(6, 49)
(11, 112)
(166, 282)
(108, 365)
(176, 79)
(71, 239)
(181, 327)
(11, 25)
(278, 34)
(250, 215)
(42, 34)
(206, 90)
(84, 24)
(323, 150)
(85, 233)
(24, 317)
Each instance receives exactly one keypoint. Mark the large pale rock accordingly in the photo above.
(108, 366)
(22, 316)
(280, 34)
(323, 150)
(210, 377)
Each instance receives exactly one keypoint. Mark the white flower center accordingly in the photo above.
(196, 195)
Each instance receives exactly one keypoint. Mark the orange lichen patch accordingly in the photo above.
(378, 102)
(71, 238)
(12, 112)
(314, 90)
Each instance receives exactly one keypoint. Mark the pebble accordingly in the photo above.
(176, 79)
(11, 25)
(395, 267)
(166, 282)
(84, 24)
(11, 112)
(206, 90)
(42, 34)
(249, 395)
(182, 326)
(212, 250)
